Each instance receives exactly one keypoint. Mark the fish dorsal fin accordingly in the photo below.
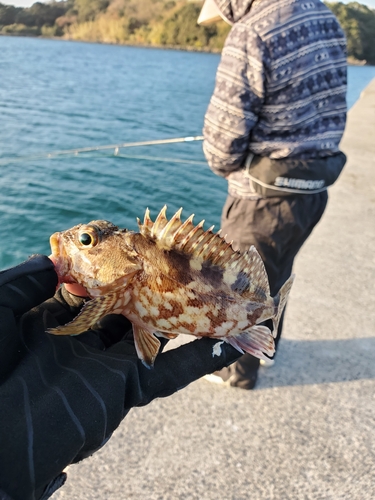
(250, 267)
(187, 238)
(244, 273)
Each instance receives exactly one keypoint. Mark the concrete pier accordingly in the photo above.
(307, 432)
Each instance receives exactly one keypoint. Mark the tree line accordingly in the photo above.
(162, 23)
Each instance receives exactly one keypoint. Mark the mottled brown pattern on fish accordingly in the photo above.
(213, 319)
(177, 309)
(170, 277)
(254, 316)
(173, 265)
(194, 302)
(212, 274)
(188, 327)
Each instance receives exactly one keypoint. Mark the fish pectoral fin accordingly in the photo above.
(146, 345)
(257, 341)
(90, 314)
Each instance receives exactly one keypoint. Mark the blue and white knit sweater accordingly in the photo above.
(280, 86)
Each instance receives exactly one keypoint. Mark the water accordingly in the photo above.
(58, 95)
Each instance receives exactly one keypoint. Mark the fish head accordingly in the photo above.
(99, 256)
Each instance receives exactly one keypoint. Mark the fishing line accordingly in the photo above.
(116, 148)
(148, 158)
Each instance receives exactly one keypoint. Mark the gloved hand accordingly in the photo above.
(62, 397)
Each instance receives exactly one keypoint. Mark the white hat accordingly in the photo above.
(210, 13)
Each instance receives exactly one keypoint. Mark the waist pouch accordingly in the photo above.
(269, 177)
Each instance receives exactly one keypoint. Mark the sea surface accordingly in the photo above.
(58, 95)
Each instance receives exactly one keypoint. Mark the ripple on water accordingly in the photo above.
(58, 95)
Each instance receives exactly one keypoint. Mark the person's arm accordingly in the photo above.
(62, 397)
(236, 102)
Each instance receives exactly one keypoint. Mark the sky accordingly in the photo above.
(28, 3)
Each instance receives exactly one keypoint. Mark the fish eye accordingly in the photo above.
(85, 239)
(88, 238)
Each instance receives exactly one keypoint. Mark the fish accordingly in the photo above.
(171, 277)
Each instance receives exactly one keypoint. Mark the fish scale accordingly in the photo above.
(171, 277)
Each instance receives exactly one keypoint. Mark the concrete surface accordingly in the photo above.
(308, 430)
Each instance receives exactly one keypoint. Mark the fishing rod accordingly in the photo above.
(116, 148)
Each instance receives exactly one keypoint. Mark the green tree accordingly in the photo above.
(88, 9)
(182, 30)
(40, 14)
(358, 22)
(8, 14)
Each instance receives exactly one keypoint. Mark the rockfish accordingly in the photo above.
(170, 278)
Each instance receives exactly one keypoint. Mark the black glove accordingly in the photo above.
(61, 398)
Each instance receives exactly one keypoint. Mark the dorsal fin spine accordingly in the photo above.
(212, 247)
(232, 262)
(191, 238)
(207, 238)
(188, 224)
(147, 218)
(200, 242)
(160, 221)
(197, 237)
(147, 225)
(168, 232)
(220, 259)
(181, 230)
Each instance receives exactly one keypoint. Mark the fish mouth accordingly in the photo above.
(60, 259)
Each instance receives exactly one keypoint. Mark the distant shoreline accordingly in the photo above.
(142, 46)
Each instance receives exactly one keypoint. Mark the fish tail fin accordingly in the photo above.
(257, 341)
(280, 301)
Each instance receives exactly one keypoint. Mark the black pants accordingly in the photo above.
(277, 227)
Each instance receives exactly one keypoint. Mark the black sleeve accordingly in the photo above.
(62, 397)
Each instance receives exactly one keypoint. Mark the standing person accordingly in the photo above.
(273, 128)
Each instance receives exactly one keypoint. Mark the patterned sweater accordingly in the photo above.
(280, 87)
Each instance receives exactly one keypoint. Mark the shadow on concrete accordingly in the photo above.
(301, 362)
